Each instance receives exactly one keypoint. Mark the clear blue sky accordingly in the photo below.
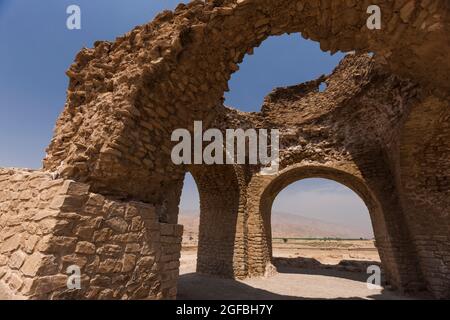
(37, 48)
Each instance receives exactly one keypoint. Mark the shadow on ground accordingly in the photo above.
(355, 270)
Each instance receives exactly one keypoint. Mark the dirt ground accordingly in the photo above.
(306, 269)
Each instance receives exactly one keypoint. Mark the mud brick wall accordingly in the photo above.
(425, 173)
(47, 225)
(126, 97)
(382, 121)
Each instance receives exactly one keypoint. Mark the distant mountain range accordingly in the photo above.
(287, 225)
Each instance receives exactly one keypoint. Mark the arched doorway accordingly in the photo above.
(321, 232)
(280, 61)
(222, 244)
(424, 178)
(324, 200)
(178, 68)
(210, 213)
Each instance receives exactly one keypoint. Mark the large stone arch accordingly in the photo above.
(126, 97)
(264, 189)
(424, 179)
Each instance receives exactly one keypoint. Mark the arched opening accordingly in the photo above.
(326, 201)
(126, 97)
(322, 232)
(182, 68)
(232, 242)
(189, 218)
(189, 208)
(219, 244)
(217, 226)
(280, 61)
(424, 177)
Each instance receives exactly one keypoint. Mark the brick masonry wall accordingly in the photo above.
(48, 225)
(424, 175)
(219, 201)
(126, 97)
(398, 262)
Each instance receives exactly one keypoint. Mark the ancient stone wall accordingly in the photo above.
(381, 127)
(219, 210)
(346, 133)
(48, 225)
(424, 178)
(126, 97)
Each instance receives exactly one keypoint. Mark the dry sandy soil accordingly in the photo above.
(306, 269)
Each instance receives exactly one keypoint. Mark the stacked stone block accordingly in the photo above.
(47, 225)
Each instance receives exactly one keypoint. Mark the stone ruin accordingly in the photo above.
(107, 197)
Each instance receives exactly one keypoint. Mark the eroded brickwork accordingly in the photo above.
(126, 97)
(380, 127)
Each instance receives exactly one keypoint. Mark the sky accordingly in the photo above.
(325, 200)
(37, 48)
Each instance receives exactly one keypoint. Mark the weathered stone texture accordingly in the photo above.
(126, 97)
(48, 225)
(381, 127)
